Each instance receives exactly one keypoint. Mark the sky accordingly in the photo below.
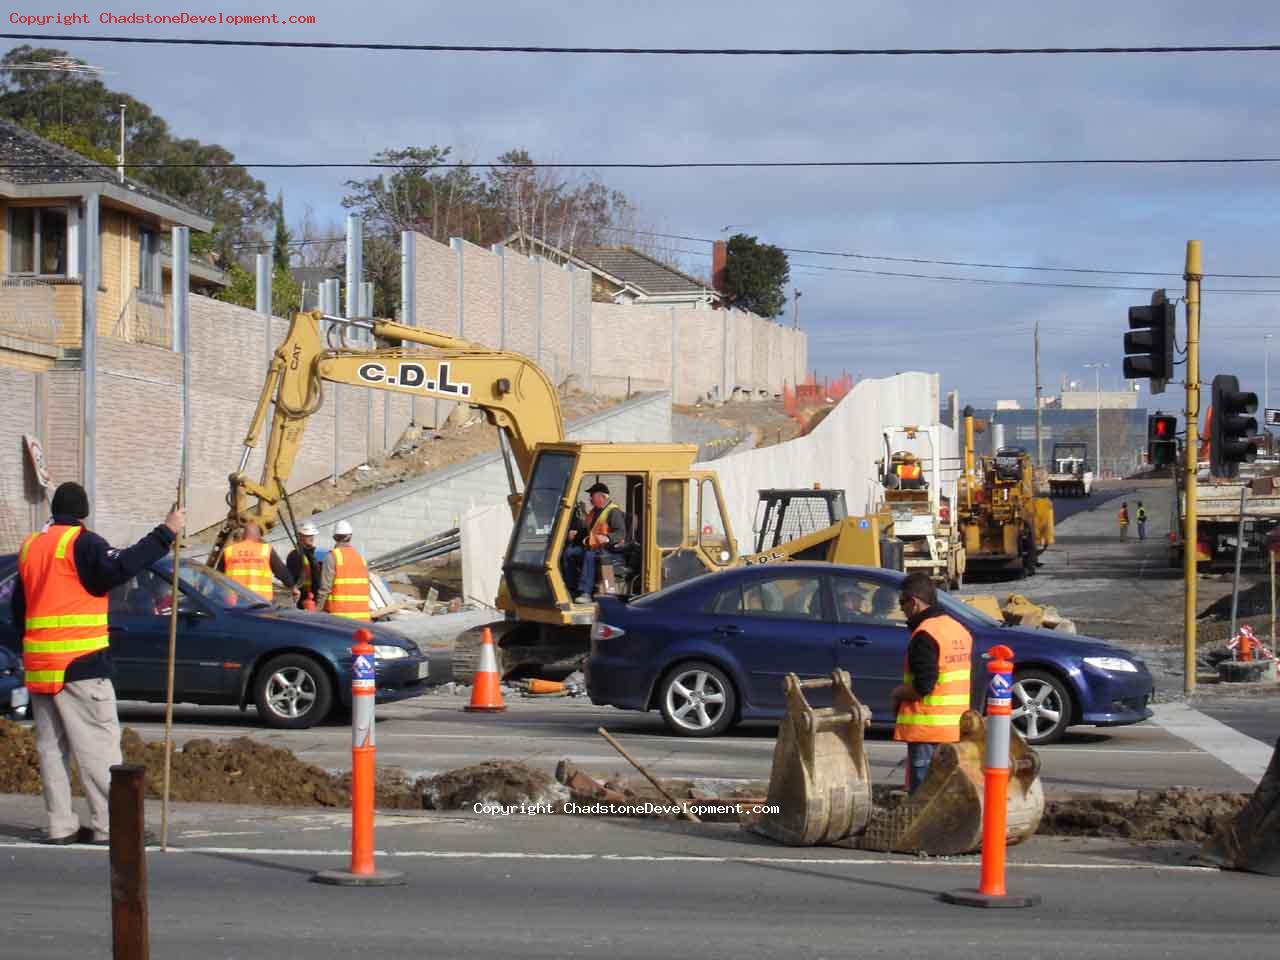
(289, 105)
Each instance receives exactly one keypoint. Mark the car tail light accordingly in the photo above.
(604, 631)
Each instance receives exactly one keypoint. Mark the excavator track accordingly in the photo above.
(521, 648)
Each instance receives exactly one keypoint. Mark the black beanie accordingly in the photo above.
(70, 500)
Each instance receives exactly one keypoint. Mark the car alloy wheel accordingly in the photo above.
(1041, 707)
(698, 700)
(291, 692)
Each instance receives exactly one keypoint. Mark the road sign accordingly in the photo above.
(1271, 417)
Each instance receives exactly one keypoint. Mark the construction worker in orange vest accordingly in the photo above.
(934, 692)
(344, 578)
(252, 563)
(64, 575)
(909, 472)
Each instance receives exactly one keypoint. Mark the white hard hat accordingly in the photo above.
(342, 529)
(308, 529)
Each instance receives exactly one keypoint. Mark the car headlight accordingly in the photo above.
(1114, 664)
(388, 652)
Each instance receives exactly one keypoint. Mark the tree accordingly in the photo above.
(756, 275)
(242, 290)
(280, 254)
(79, 112)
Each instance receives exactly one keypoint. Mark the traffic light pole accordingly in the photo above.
(1191, 462)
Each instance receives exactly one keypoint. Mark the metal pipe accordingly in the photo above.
(1190, 539)
(180, 305)
(262, 299)
(1235, 581)
(89, 344)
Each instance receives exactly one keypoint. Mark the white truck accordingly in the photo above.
(1070, 475)
(1218, 518)
(922, 514)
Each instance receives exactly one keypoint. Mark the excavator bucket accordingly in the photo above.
(821, 778)
(944, 816)
(1252, 840)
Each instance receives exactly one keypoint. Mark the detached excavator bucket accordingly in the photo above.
(1252, 840)
(821, 778)
(944, 817)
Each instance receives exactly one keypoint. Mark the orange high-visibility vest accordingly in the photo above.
(249, 564)
(909, 471)
(598, 535)
(349, 595)
(64, 621)
(936, 718)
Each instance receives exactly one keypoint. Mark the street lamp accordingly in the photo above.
(1097, 366)
(1266, 386)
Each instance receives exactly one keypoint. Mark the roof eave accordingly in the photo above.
(168, 212)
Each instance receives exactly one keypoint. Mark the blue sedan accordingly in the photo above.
(14, 701)
(712, 651)
(233, 648)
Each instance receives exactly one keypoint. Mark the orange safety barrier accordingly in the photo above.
(991, 890)
(364, 772)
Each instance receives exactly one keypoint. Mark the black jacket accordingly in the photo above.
(922, 652)
(101, 569)
(294, 563)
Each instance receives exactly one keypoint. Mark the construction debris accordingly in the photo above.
(1147, 815)
(505, 783)
(637, 797)
(1017, 610)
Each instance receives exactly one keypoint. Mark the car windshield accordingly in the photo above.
(211, 586)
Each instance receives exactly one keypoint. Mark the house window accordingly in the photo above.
(148, 262)
(38, 241)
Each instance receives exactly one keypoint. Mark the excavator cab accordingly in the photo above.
(675, 521)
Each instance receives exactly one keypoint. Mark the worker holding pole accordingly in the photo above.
(64, 575)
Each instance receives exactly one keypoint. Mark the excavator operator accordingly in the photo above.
(909, 473)
(600, 538)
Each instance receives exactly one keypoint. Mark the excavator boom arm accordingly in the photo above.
(511, 389)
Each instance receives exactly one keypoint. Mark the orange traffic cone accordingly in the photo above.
(486, 685)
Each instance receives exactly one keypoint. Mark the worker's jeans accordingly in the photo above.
(1142, 529)
(919, 756)
(79, 721)
(591, 561)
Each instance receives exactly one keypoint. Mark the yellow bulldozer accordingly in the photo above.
(677, 526)
(1003, 524)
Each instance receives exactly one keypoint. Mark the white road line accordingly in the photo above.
(905, 861)
(1241, 753)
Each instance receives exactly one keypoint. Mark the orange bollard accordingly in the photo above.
(995, 797)
(364, 688)
(486, 684)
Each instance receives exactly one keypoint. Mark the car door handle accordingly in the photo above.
(731, 630)
(854, 641)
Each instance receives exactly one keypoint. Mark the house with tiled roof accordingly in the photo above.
(48, 197)
(623, 274)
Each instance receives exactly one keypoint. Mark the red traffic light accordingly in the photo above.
(1162, 429)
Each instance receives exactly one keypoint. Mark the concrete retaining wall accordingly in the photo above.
(415, 510)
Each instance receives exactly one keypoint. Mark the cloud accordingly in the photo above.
(314, 105)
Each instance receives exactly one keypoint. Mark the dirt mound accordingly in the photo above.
(19, 768)
(506, 782)
(1177, 814)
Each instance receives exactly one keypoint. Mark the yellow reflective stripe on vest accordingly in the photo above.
(946, 700)
(947, 676)
(60, 552)
(67, 620)
(928, 719)
(22, 552)
(83, 645)
(43, 676)
(349, 614)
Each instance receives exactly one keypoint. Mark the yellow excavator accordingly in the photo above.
(1003, 524)
(678, 527)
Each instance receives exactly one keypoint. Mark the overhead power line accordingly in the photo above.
(952, 263)
(499, 48)
(669, 164)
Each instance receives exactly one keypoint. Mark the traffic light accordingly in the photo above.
(1148, 345)
(1162, 440)
(1231, 432)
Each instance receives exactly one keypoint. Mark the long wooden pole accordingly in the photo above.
(174, 594)
(689, 815)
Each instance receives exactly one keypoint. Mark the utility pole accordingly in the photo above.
(1039, 447)
(795, 308)
(1266, 387)
(1191, 462)
(1097, 366)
